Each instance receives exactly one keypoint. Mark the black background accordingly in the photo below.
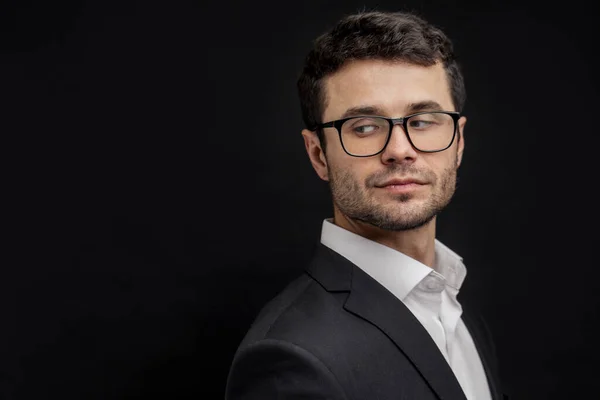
(157, 190)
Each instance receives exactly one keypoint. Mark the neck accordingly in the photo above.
(418, 243)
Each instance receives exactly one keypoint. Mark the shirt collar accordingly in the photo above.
(449, 265)
(397, 272)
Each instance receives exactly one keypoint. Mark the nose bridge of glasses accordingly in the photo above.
(400, 137)
(397, 121)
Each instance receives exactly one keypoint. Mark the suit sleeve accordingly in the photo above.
(274, 369)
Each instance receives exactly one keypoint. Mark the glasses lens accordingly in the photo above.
(364, 136)
(431, 131)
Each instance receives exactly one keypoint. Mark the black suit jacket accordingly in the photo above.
(336, 333)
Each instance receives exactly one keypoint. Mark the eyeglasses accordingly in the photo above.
(366, 136)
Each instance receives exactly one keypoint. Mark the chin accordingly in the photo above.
(399, 225)
(407, 219)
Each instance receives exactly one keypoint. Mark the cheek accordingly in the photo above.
(361, 169)
(349, 167)
(443, 168)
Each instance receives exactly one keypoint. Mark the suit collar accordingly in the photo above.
(372, 302)
(330, 269)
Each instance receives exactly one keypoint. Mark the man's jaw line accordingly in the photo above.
(371, 231)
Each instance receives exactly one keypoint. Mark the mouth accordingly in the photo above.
(401, 185)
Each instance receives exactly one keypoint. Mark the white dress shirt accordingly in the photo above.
(430, 294)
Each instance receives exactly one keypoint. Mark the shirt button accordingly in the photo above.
(434, 285)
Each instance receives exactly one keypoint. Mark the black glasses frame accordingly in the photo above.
(337, 124)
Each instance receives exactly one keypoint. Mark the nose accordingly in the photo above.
(399, 148)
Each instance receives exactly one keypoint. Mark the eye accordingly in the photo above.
(365, 129)
(421, 122)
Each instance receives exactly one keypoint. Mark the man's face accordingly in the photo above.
(359, 186)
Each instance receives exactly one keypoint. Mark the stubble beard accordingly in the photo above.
(402, 212)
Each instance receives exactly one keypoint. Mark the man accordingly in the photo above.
(376, 315)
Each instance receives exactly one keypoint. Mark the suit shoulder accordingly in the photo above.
(271, 368)
(276, 307)
(296, 308)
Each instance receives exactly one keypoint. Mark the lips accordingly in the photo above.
(400, 182)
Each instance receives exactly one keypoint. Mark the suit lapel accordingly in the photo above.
(477, 329)
(372, 302)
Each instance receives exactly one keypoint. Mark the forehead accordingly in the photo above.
(386, 85)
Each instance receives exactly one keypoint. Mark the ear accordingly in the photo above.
(315, 153)
(462, 121)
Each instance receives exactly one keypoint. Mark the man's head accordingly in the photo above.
(391, 65)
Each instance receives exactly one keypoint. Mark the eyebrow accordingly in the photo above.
(362, 110)
(428, 105)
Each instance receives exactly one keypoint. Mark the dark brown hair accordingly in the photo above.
(393, 36)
